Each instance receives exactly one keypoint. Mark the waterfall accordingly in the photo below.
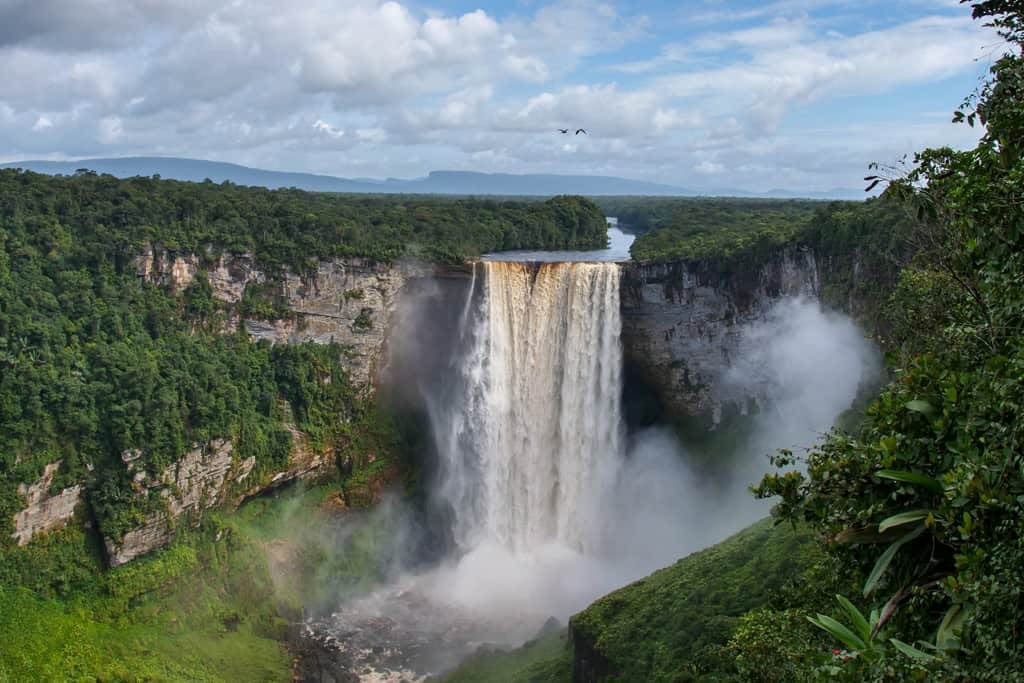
(531, 443)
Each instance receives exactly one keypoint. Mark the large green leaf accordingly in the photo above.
(903, 518)
(886, 558)
(840, 632)
(911, 651)
(860, 624)
(948, 636)
(921, 480)
(919, 406)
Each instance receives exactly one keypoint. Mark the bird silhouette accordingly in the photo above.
(563, 131)
(581, 130)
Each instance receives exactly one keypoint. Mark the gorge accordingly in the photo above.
(365, 435)
(681, 328)
(547, 495)
(425, 456)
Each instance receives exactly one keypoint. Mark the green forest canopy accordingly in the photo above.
(698, 228)
(640, 215)
(104, 216)
(95, 361)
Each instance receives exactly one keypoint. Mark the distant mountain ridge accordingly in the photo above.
(436, 182)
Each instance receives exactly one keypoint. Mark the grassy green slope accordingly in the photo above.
(215, 606)
(674, 624)
(544, 660)
(203, 610)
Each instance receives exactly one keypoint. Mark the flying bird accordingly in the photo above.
(563, 131)
(581, 130)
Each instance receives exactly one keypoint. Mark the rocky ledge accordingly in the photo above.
(45, 511)
(348, 301)
(207, 476)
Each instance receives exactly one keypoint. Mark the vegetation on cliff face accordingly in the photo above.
(98, 363)
(924, 507)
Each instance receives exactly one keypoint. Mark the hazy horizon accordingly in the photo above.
(752, 96)
(438, 181)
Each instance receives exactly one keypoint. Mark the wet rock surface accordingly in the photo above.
(395, 635)
(682, 324)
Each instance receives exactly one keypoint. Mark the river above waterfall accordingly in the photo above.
(618, 250)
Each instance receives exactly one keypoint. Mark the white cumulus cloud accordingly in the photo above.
(690, 95)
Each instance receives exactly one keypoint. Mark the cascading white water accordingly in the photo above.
(536, 439)
(547, 509)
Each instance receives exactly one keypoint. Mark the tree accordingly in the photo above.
(925, 506)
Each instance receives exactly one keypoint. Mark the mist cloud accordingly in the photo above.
(809, 365)
(806, 364)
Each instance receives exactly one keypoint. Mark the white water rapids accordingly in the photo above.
(537, 440)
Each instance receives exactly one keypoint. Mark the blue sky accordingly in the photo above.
(712, 94)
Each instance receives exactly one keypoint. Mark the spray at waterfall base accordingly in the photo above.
(546, 502)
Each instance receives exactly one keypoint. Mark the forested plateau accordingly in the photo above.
(895, 552)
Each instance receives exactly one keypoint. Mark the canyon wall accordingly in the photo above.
(347, 301)
(682, 323)
(45, 511)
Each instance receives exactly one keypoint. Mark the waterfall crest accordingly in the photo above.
(535, 437)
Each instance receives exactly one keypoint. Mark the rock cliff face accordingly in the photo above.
(188, 487)
(348, 301)
(682, 324)
(44, 512)
(205, 477)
